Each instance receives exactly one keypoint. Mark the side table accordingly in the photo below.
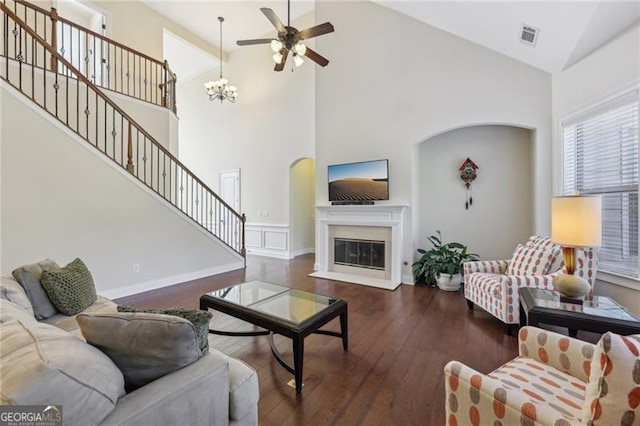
(597, 314)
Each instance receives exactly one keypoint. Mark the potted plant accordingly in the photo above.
(442, 264)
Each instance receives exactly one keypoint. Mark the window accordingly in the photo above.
(600, 156)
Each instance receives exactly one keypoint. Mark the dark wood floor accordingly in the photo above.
(399, 342)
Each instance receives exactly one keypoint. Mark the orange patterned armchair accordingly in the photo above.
(556, 380)
(493, 284)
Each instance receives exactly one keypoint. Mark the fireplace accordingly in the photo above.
(359, 244)
(359, 253)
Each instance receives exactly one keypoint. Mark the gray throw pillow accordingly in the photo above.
(144, 346)
(30, 277)
(199, 319)
(71, 288)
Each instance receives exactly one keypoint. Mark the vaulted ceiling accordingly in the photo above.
(567, 30)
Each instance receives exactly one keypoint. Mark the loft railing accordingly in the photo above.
(74, 100)
(107, 63)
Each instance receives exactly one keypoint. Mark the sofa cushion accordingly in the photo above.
(543, 386)
(69, 323)
(30, 277)
(199, 319)
(527, 260)
(144, 346)
(43, 365)
(613, 391)
(12, 291)
(11, 311)
(70, 289)
(554, 251)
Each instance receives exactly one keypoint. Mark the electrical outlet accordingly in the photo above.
(135, 268)
(265, 213)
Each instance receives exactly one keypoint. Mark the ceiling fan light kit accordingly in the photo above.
(289, 39)
(219, 89)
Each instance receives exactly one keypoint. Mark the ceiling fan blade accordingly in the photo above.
(280, 65)
(316, 57)
(254, 41)
(316, 31)
(273, 18)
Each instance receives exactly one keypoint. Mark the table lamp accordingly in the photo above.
(576, 221)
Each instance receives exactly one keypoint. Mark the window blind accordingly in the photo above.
(600, 156)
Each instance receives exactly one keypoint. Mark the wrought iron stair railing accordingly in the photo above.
(74, 100)
(106, 62)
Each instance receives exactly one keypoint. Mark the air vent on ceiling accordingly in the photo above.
(529, 35)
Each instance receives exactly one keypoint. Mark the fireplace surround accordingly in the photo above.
(379, 223)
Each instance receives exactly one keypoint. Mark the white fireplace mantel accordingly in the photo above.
(376, 215)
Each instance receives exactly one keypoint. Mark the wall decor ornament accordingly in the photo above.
(468, 174)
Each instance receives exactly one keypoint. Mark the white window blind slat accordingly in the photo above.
(600, 149)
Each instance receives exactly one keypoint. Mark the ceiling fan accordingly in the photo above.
(291, 40)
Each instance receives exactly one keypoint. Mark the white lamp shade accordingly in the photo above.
(576, 221)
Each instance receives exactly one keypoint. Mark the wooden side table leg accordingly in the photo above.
(344, 329)
(298, 356)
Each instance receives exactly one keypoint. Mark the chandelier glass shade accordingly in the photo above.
(299, 49)
(220, 89)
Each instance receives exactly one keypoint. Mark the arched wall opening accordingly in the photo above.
(302, 190)
(501, 213)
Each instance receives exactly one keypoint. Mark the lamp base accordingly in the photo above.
(571, 285)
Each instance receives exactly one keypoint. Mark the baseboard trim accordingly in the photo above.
(168, 281)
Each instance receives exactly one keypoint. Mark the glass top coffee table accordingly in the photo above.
(597, 314)
(281, 310)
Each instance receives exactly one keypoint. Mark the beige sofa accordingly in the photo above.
(48, 362)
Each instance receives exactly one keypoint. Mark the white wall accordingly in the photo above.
(60, 200)
(135, 25)
(500, 216)
(394, 82)
(609, 70)
(270, 126)
(161, 123)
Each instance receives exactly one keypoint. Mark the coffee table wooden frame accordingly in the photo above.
(273, 324)
(533, 314)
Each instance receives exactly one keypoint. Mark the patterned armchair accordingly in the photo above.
(493, 284)
(556, 381)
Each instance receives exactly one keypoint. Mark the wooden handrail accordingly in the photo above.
(131, 122)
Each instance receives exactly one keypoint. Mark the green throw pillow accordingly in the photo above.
(199, 319)
(71, 288)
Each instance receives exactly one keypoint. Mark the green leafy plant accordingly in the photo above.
(442, 258)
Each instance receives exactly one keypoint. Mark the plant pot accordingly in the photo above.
(449, 282)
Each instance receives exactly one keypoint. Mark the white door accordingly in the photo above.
(230, 193)
(230, 188)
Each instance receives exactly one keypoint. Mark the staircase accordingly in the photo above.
(64, 69)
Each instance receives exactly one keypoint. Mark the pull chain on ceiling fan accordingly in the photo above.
(289, 39)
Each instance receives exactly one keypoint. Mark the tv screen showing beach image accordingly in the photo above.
(365, 181)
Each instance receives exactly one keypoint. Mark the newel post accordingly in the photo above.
(165, 84)
(243, 250)
(130, 151)
(54, 38)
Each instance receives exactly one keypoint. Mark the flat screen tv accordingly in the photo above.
(365, 181)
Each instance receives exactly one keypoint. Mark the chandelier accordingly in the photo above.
(219, 89)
